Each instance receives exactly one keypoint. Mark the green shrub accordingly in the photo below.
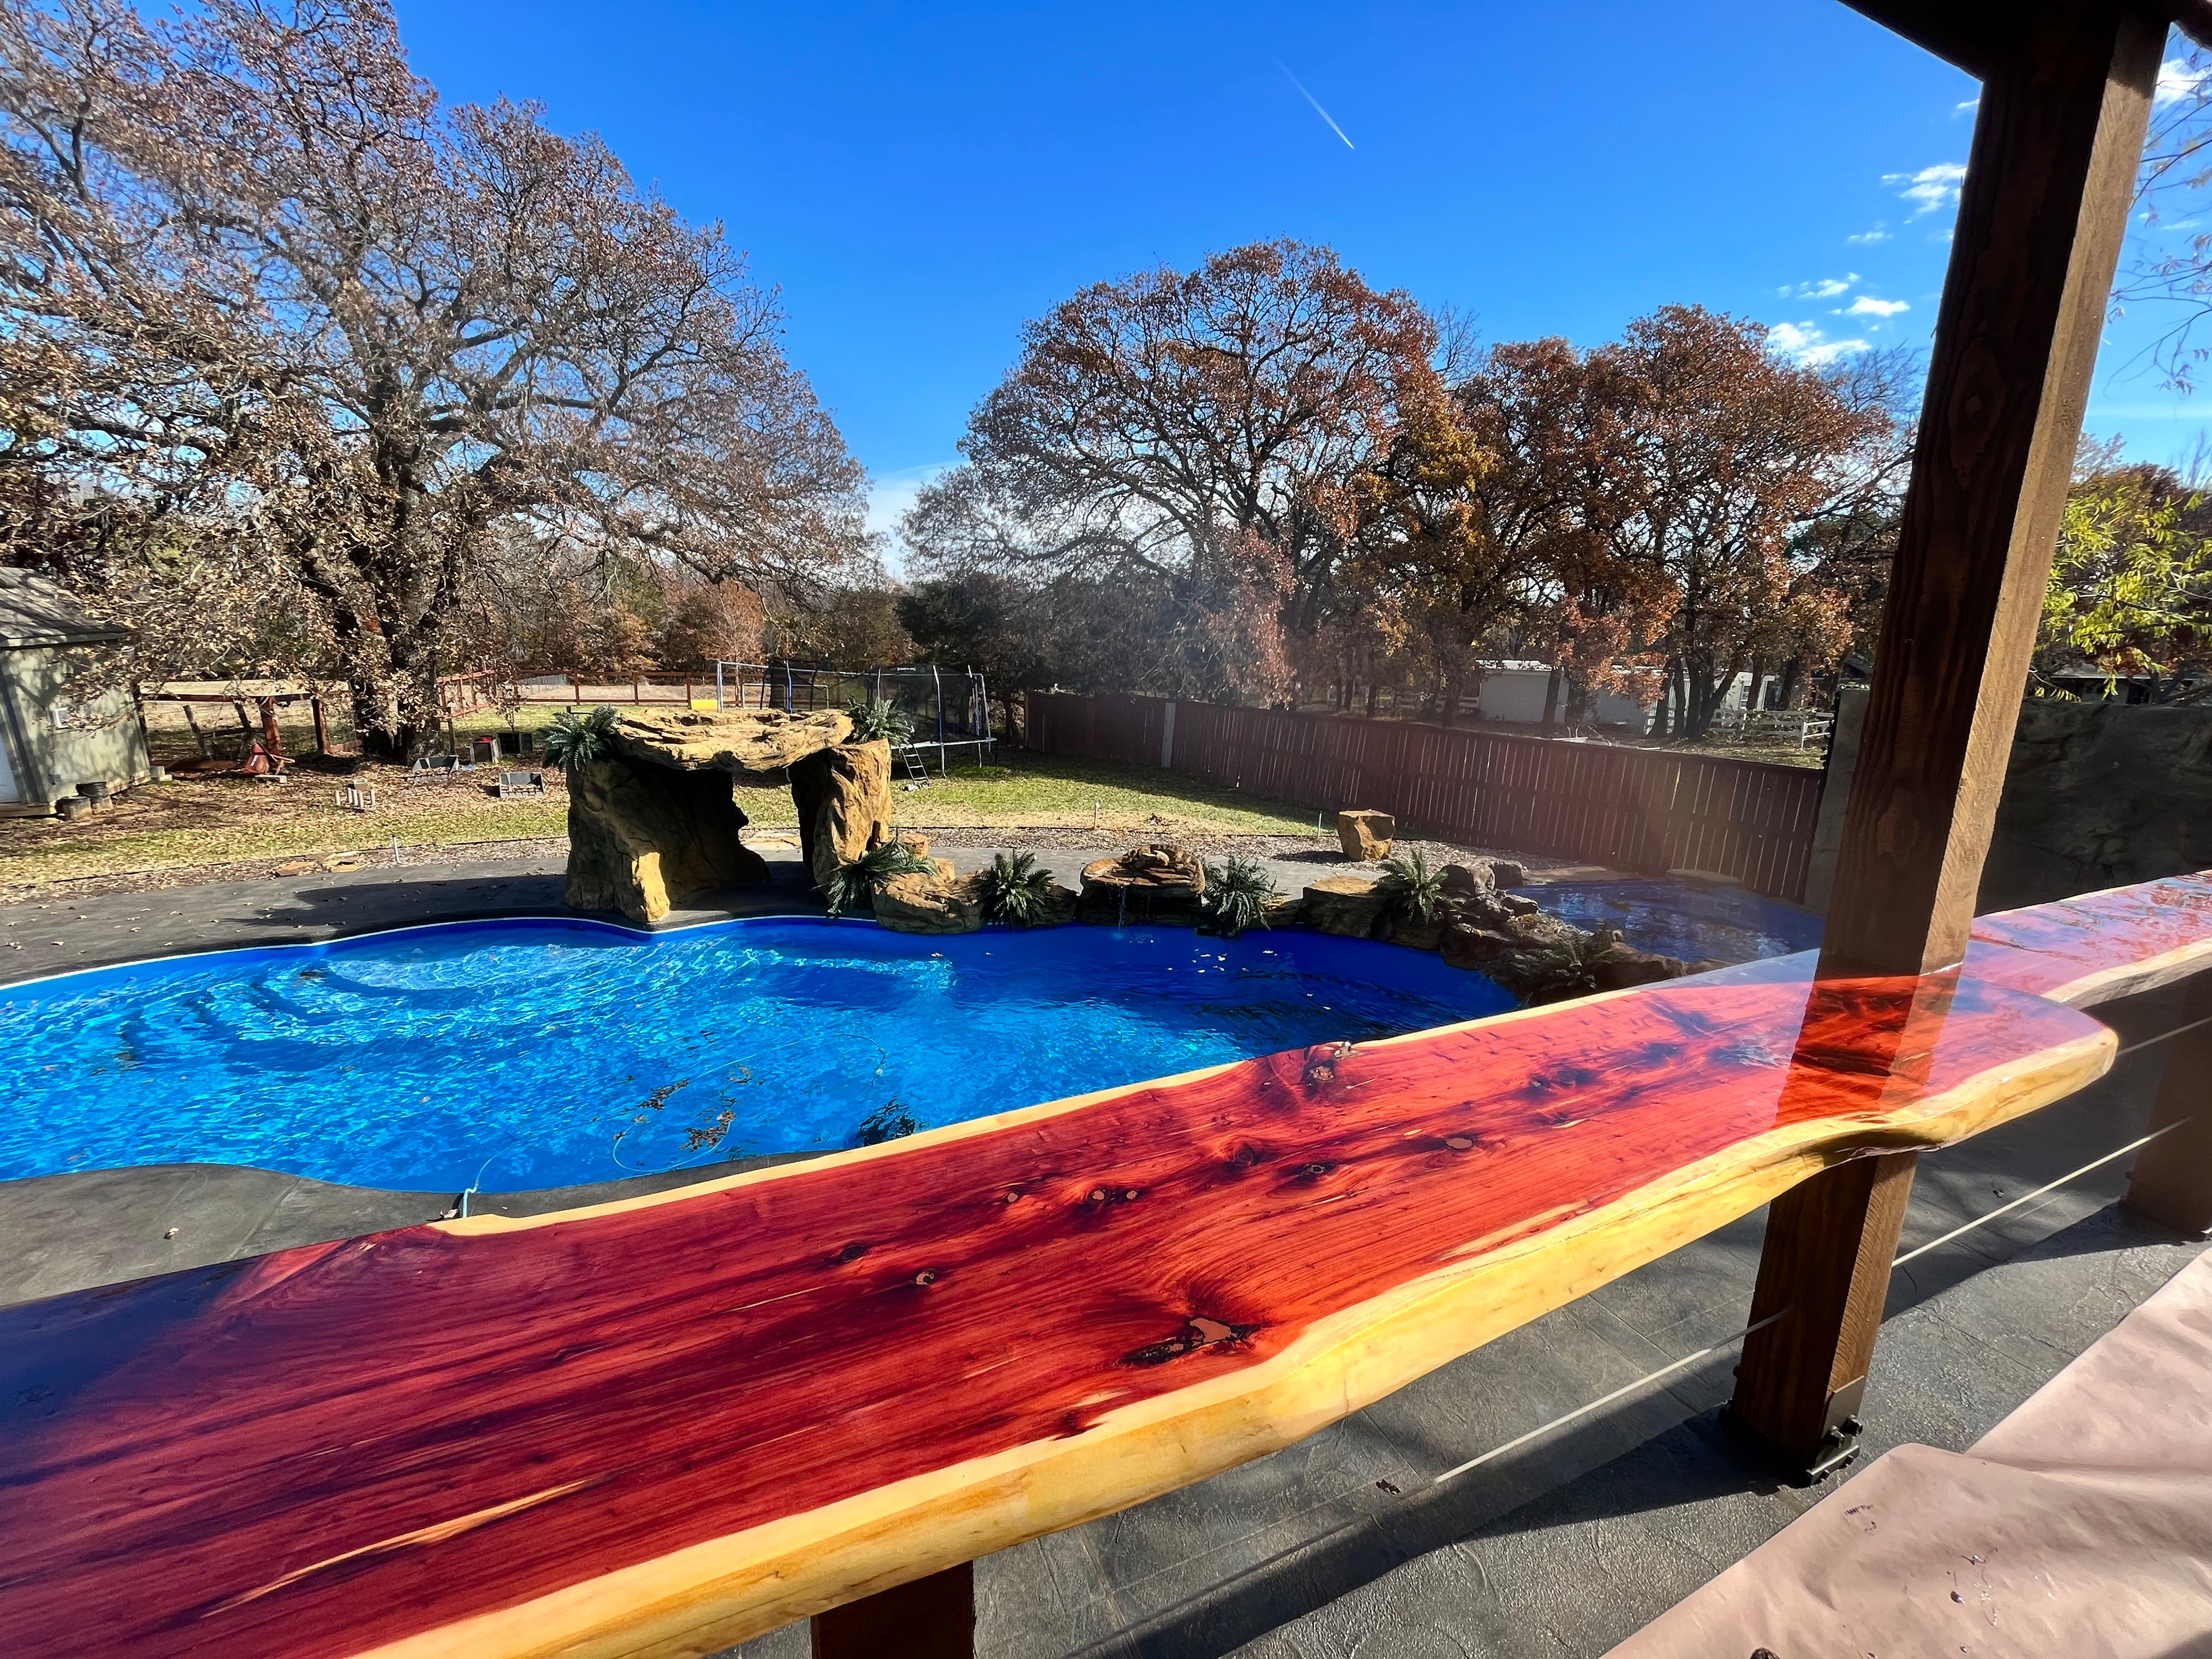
(857, 883)
(1016, 890)
(1237, 894)
(875, 718)
(1416, 892)
(574, 740)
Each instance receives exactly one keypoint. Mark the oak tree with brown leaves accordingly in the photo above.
(281, 333)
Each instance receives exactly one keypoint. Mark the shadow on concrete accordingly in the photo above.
(1697, 1461)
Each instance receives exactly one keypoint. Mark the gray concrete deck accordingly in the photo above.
(1333, 1546)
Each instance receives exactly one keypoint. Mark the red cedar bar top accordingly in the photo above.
(663, 1425)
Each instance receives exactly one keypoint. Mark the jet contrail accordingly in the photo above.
(1315, 102)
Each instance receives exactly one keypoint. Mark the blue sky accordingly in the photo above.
(918, 181)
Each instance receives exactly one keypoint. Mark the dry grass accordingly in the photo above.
(198, 821)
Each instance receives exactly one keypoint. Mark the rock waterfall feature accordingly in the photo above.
(655, 819)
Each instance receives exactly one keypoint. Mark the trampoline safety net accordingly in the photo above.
(948, 709)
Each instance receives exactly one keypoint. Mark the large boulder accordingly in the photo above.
(931, 903)
(1366, 837)
(843, 795)
(1352, 906)
(642, 838)
(1464, 880)
(1156, 884)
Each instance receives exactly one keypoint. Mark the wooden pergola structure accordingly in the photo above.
(2067, 86)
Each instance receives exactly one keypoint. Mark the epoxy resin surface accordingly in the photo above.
(548, 1053)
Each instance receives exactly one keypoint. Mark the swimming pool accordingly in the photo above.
(549, 1052)
(1696, 923)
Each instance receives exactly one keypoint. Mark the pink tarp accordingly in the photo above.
(2080, 1527)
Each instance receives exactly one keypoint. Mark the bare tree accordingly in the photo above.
(257, 280)
(1190, 436)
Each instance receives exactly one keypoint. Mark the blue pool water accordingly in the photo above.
(545, 1053)
(1697, 924)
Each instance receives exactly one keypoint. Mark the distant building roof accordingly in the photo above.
(34, 610)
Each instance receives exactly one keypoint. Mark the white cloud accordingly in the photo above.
(1867, 306)
(1805, 342)
(1828, 287)
(2177, 79)
(1966, 107)
(1881, 232)
(1931, 189)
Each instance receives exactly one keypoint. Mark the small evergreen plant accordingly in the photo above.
(1237, 894)
(576, 739)
(855, 885)
(1417, 892)
(875, 718)
(1016, 890)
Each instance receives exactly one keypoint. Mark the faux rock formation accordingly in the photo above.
(654, 820)
(1350, 906)
(756, 741)
(937, 902)
(1412, 932)
(1060, 904)
(843, 794)
(1366, 837)
(1505, 872)
(1154, 884)
(642, 837)
(1461, 880)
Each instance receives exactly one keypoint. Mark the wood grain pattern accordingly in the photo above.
(662, 1425)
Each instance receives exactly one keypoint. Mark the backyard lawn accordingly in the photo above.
(198, 821)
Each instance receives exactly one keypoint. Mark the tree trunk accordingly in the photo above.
(1551, 701)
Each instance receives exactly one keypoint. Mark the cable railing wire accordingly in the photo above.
(1121, 1638)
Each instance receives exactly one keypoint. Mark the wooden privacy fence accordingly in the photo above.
(1632, 808)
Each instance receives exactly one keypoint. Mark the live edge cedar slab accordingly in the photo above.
(663, 1425)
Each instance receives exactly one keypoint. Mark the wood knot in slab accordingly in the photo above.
(1200, 1333)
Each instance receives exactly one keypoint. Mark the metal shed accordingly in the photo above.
(48, 745)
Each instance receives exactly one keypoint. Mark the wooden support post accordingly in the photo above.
(932, 1618)
(322, 730)
(2173, 1178)
(2049, 186)
(1829, 1244)
(2043, 211)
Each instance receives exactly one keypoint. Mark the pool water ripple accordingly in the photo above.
(545, 1053)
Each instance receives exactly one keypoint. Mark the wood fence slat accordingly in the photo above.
(1628, 809)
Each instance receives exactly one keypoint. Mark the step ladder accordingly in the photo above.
(917, 770)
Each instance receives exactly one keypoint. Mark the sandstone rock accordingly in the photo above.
(1351, 906)
(843, 796)
(1413, 934)
(1059, 906)
(1364, 836)
(1505, 872)
(1154, 884)
(1520, 904)
(753, 740)
(1284, 910)
(644, 837)
(931, 903)
(1620, 966)
(1475, 948)
(916, 841)
(1464, 880)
